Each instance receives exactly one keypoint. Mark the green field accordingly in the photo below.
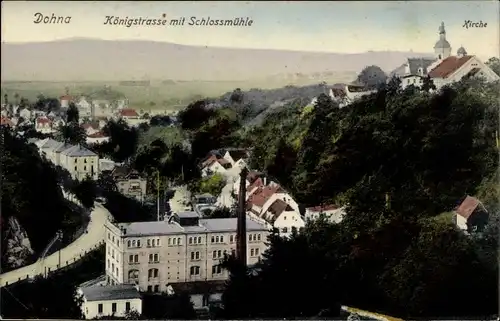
(169, 95)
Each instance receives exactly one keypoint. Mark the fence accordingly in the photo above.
(47, 270)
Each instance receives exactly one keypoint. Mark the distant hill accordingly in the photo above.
(102, 60)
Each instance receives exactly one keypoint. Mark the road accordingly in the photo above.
(71, 253)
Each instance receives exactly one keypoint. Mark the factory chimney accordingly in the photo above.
(241, 232)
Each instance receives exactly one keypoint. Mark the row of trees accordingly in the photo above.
(400, 160)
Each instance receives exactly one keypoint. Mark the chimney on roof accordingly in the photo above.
(241, 231)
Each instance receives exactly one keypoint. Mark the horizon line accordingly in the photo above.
(219, 47)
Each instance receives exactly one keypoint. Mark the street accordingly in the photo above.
(86, 242)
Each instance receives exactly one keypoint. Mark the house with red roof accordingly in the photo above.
(97, 137)
(65, 100)
(43, 124)
(471, 215)
(128, 114)
(276, 207)
(5, 121)
(214, 164)
(331, 212)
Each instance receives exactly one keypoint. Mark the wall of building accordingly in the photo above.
(91, 309)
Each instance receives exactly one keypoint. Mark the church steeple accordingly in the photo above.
(442, 48)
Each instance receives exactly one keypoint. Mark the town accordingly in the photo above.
(382, 191)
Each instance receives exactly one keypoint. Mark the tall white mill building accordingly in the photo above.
(183, 249)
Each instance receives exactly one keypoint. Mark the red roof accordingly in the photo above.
(260, 197)
(6, 121)
(88, 126)
(322, 208)
(258, 183)
(43, 120)
(128, 113)
(97, 135)
(467, 207)
(448, 66)
(66, 97)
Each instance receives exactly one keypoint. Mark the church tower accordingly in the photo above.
(442, 48)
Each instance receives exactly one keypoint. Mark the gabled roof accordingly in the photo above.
(128, 113)
(257, 183)
(467, 207)
(77, 151)
(110, 292)
(60, 147)
(43, 120)
(278, 207)
(66, 97)
(449, 66)
(237, 154)
(260, 197)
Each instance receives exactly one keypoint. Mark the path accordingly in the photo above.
(71, 253)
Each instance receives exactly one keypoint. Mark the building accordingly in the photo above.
(332, 213)
(65, 100)
(471, 215)
(442, 68)
(107, 300)
(43, 125)
(130, 183)
(97, 138)
(183, 249)
(128, 114)
(215, 164)
(80, 162)
(202, 294)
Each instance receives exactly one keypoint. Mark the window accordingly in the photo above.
(133, 275)
(178, 241)
(149, 243)
(85, 160)
(133, 243)
(219, 253)
(250, 237)
(131, 258)
(129, 243)
(216, 269)
(150, 258)
(222, 239)
(113, 307)
(213, 239)
(127, 306)
(256, 251)
(285, 230)
(136, 258)
(258, 237)
(195, 255)
(76, 160)
(138, 243)
(99, 308)
(157, 242)
(152, 273)
(156, 258)
(157, 288)
(170, 241)
(194, 270)
(216, 239)
(108, 264)
(84, 168)
(175, 241)
(113, 238)
(231, 238)
(75, 169)
(190, 240)
(251, 252)
(153, 243)
(199, 239)
(112, 267)
(150, 288)
(214, 254)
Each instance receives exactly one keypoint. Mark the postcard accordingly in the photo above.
(250, 160)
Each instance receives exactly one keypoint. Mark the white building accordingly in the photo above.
(214, 165)
(107, 300)
(345, 94)
(332, 213)
(65, 100)
(25, 113)
(43, 125)
(183, 249)
(80, 162)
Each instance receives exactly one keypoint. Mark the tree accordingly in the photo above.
(428, 84)
(237, 96)
(222, 212)
(72, 114)
(372, 77)
(86, 192)
(106, 183)
(72, 133)
(212, 184)
(195, 115)
(123, 140)
(494, 64)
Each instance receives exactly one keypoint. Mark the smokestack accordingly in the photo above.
(241, 232)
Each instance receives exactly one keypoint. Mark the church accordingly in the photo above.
(443, 68)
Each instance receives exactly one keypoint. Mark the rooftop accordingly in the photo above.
(110, 292)
(77, 151)
(214, 225)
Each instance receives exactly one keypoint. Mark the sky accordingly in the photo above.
(344, 27)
